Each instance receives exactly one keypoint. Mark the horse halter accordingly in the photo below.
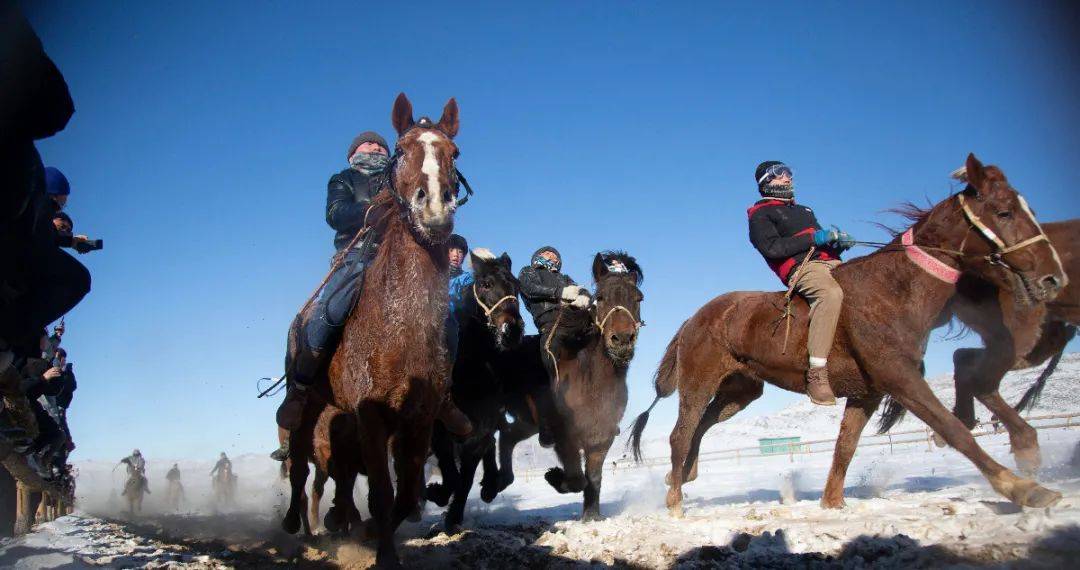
(488, 310)
(1002, 249)
(600, 324)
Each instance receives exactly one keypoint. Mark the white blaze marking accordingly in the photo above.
(1053, 250)
(430, 167)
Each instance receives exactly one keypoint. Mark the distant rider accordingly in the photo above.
(784, 232)
(135, 463)
(544, 288)
(223, 464)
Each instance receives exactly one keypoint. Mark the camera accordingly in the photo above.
(89, 245)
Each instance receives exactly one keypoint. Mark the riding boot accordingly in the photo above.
(18, 407)
(817, 386)
(455, 421)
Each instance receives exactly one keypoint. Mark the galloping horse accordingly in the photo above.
(490, 323)
(391, 368)
(134, 488)
(224, 485)
(1014, 337)
(586, 400)
(720, 357)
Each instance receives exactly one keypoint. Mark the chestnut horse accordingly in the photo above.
(490, 323)
(391, 368)
(1014, 338)
(721, 356)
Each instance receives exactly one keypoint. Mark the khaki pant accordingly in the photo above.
(816, 284)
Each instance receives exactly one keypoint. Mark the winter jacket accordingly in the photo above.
(541, 289)
(460, 281)
(783, 231)
(348, 196)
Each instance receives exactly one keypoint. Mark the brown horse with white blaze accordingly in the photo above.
(721, 356)
(391, 367)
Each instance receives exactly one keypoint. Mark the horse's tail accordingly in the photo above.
(891, 415)
(1031, 397)
(665, 382)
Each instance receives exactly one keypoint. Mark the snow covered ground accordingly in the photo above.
(909, 506)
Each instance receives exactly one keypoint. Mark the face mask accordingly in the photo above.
(370, 162)
(546, 263)
(781, 192)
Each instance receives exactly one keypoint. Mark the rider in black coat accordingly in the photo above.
(544, 287)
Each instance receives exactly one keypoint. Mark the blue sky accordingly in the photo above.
(205, 133)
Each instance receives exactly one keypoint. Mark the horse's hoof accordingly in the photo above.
(1028, 461)
(453, 529)
(290, 524)
(505, 480)
(438, 493)
(827, 503)
(592, 516)
(488, 492)
(332, 521)
(1030, 494)
(556, 478)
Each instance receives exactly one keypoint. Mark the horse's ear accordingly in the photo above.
(976, 175)
(401, 117)
(449, 123)
(599, 268)
(505, 260)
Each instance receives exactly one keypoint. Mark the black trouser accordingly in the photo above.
(58, 283)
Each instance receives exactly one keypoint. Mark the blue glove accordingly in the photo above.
(844, 241)
(825, 237)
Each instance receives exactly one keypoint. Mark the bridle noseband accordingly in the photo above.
(1001, 248)
(488, 310)
(600, 324)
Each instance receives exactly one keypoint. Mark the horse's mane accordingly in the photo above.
(909, 211)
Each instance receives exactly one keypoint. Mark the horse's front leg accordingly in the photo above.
(594, 474)
(569, 478)
(856, 413)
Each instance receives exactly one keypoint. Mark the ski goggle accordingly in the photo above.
(773, 172)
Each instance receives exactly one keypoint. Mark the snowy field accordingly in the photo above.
(910, 506)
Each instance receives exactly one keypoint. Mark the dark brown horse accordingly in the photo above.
(490, 322)
(721, 356)
(585, 401)
(391, 367)
(1015, 336)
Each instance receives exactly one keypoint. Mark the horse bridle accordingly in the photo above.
(459, 178)
(603, 322)
(1002, 249)
(488, 310)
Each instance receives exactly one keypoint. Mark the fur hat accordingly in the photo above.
(366, 136)
(457, 242)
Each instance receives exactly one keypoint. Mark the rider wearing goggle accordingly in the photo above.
(784, 233)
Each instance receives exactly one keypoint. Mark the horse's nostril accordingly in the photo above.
(446, 195)
(1050, 282)
(420, 194)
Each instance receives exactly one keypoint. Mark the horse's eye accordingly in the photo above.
(1004, 214)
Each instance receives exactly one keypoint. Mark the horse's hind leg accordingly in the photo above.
(1023, 437)
(733, 396)
(692, 403)
(856, 413)
(965, 362)
(912, 391)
